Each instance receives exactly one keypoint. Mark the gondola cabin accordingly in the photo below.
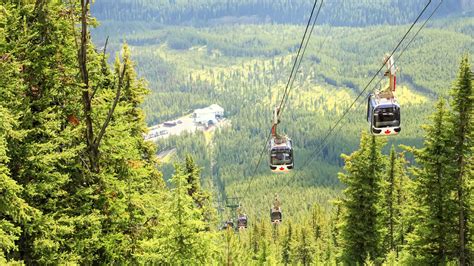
(229, 224)
(281, 154)
(275, 215)
(242, 221)
(383, 115)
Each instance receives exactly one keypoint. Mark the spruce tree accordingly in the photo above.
(286, 248)
(304, 249)
(462, 124)
(394, 203)
(201, 198)
(403, 194)
(87, 213)
(232, 252)
(180, 238)
(316, 221)
(360, 236)
(38, 41)
(15, 212)
(433, 239)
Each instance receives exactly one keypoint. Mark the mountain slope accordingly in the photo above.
(217, 12)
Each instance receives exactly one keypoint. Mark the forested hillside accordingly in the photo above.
(244, 68)
(218, 12)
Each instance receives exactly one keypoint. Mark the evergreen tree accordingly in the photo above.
(394, 203)
(232, 250)
(316, 221)
(304, 249)
(38, 42)
(86, 212)
(433, 240)
(286, 245)
(462, 123)
(181, 238)
(201, 198)
(361, 218)
(14, 211)
(403, 192)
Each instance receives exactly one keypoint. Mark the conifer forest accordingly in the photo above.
(222, 132)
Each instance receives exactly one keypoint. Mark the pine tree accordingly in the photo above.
(181, 238)
(361, 217)
(433, 240)
(87, 212)
(232, 250)
(201, 198)
(394, 203)
(462, 123)
(304, 249)
(316, 221)
(403, 188)
(39, 43)
(14, 211)
(286, 245)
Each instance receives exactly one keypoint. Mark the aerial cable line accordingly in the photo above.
(294, 69)
(295, 64)
(411, 41)
(301, 59)
(331, 130)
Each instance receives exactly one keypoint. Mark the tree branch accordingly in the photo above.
(86, 101)
(105, 50)
(112, 109)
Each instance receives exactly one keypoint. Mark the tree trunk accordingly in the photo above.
(92, 149)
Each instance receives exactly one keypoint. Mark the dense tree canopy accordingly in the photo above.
(217, 12)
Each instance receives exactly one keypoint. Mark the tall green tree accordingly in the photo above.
(394, 203)
(433, 240)
(79, 211)
(364, 170)
(462, 123)
(37, 39)
(180, 238)
(286, 248)
(304, 250)
(233, 250)
(201, 198)
(15, 212)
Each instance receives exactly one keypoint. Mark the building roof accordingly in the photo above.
(202, 111)
(214, 108)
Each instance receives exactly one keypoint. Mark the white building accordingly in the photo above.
(208, 115)
(218, 110)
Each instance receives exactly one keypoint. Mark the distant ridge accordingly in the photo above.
(212, 12)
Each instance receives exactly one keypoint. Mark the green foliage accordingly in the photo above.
(181, 237)
(434, 236)
(216, 12)
(360, 228)
(55, 209)
(232, 249)
(462, 123)
(443, 182)
(395, 204)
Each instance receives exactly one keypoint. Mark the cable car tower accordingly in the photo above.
(383, 110)
(236, 210)
(233, 204)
